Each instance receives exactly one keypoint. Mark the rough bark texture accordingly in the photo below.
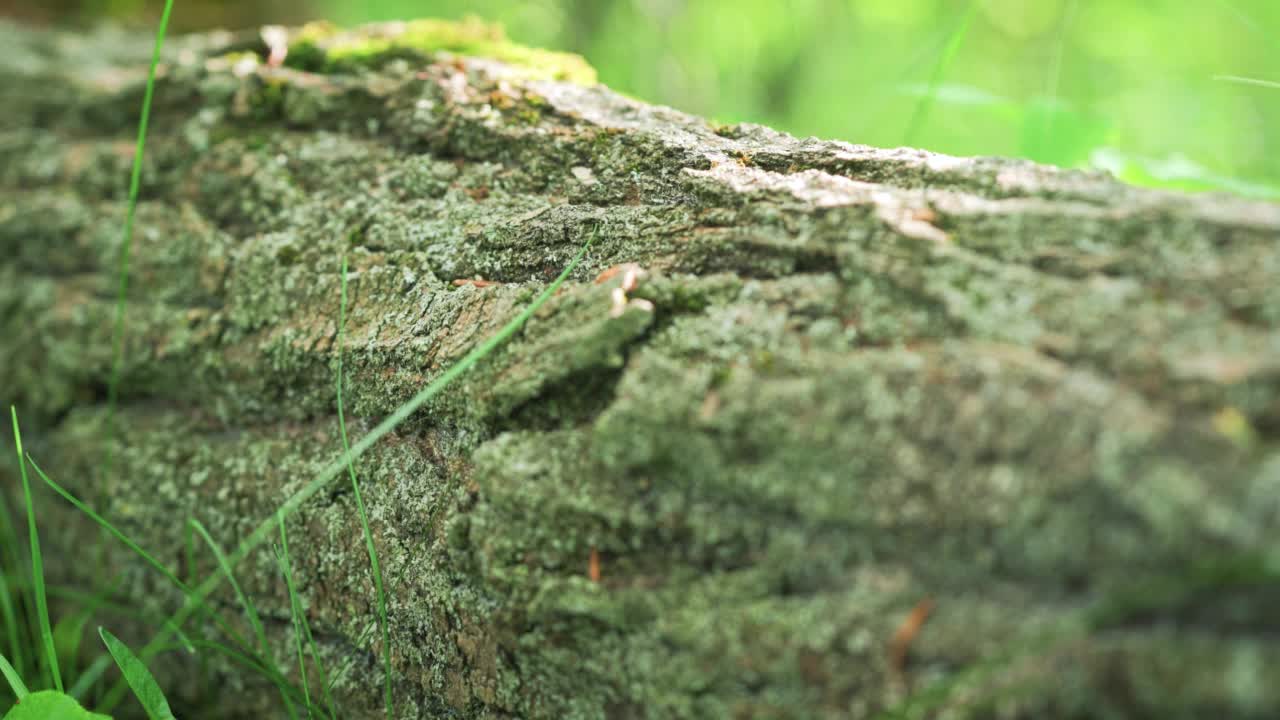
(851, 380)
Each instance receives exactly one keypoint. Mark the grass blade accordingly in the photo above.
(126, 240)
(1248, 81)
(255, 539)
(145, 687)
(282, 559)
(81, 686)
(300, 626)
(11, 628)
(37, 563)
(360, 509)
(14, 626)
(921, 112)
(249, 610)
(1043, 133)
(306, 629)
(15, 681)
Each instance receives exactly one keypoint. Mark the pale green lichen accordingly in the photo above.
(325, 47)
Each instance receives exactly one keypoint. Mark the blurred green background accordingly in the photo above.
(1136, 86)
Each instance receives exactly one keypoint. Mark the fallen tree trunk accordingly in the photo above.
(845, 382)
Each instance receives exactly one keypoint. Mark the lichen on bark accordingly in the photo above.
(847, 380)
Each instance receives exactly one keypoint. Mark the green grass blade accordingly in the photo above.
(921, 112)
(146, 557)
(1248, 81)
(288, 705)
(11, 627)
(145, 687)
(37, 563)
(360, 509)
(126, 240)
(320, 671)
(1040, 148)
(344, 672)
(15, 681)
(104, 523)
(14, 625)
(252, 541)
(295, 611)
(306, 627)
(249, 610)
(302, 629)
(80, 688)
(189, 555)
(1053, 82)
(90, 602)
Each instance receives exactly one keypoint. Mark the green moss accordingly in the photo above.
(323, 47)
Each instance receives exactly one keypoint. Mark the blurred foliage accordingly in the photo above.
(1136, 86)
(188, 15)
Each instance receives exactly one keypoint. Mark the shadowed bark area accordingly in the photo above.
(847, 381)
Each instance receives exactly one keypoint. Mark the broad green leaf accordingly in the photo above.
(139, 678)
(51, 705)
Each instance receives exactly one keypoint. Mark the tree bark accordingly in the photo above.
(868, 427)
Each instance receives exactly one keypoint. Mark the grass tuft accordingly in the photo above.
(171, 628)
(126, 240)
(294, 613)
(129, 543)
(37, 562)
(16, 619)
